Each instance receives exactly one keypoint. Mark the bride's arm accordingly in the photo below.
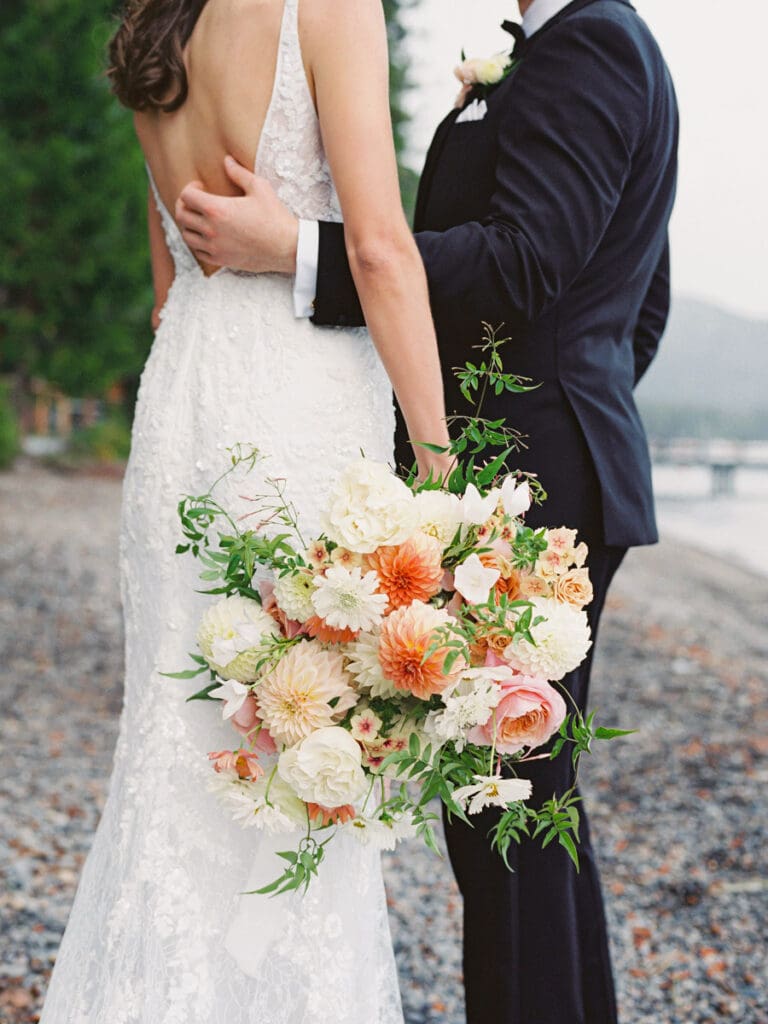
(163, 271)
(345, 46)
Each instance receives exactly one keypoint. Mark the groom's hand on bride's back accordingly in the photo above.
(253, 232)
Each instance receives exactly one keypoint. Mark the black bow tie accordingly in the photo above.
(517, 33)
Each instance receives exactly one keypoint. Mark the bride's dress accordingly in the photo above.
(159, 933)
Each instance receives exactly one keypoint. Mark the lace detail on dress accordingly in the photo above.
(159, 932)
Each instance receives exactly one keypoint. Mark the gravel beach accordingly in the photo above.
(678, 810)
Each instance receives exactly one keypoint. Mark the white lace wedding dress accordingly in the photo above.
(159, 933)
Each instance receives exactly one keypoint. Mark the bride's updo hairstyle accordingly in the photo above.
(146, 65)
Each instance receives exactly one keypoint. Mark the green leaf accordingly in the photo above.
(611, 734)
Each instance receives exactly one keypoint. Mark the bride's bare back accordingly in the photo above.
(230, 59)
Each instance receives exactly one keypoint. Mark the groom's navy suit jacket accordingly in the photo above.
(550, 216)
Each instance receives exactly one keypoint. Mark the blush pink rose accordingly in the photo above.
(290, 627)
(246, 721)
(529, 713)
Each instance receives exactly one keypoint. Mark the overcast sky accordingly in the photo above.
(717, 53)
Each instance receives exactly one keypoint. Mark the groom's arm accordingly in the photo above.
(564, 154)
(653, 317)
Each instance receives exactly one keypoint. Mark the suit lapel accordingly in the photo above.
(433, 154)
(444, 128)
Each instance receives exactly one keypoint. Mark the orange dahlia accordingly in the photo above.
(319, 629)
(406, 636)
(409, 572)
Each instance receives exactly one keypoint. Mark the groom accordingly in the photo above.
(544, 206)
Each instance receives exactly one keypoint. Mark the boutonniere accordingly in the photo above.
(484, 72)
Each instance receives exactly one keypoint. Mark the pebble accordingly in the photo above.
(678, 810)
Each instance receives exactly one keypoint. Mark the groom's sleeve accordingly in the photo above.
(653, 317)
(565, 150)
(336, 300)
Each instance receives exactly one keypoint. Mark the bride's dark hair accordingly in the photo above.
(146, 63)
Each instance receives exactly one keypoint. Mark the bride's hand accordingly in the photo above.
(440, 466)
(253, 232)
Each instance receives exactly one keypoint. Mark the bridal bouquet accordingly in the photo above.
(412, 651)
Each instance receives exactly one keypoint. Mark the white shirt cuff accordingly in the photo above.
(307, 256)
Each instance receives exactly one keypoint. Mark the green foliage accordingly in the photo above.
(9, 430)
(73, 255)
(108, 441)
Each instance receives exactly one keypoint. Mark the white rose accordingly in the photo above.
(370, 507)
(483, 70)
(230, 635)
(325, 768)
(439, 514)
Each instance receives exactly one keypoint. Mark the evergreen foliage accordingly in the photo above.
(75, 289)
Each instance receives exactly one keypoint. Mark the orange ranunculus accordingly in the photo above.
(409, 572)
(509, 581)
(406, 636)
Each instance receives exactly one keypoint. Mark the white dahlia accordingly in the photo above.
(370, 507)
(347, 599)
(295, 697)
(440, 514)
(364, 665)
(325, 768)
(562, 641)
(231, 636)
(293, 593)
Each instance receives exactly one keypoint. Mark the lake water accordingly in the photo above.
(734, 527)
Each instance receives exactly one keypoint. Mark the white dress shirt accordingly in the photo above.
(305, 283)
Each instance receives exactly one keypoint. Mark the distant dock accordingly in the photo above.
(722, 458)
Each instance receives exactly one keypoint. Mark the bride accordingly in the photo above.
(159, 932)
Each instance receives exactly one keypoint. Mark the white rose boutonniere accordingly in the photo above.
(483, 70)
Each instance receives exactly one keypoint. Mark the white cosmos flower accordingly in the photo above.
(562, 641)
(492, 791)
(348, 600)
(515, 497)
(247, 803)
(233, 694)
(474, 581)
(475, 509)
(382, 835)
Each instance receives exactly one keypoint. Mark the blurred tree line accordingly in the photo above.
(75, 290)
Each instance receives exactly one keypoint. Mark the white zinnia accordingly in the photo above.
(474, 581)
(439, 514)
(363, 663)
(492, 791)
(293, 593)
(230, 636)
(346, 599)
(515, 497)
(279, 813)
(475, 509)
(325, 768)
(562, 641)
(370, 507)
